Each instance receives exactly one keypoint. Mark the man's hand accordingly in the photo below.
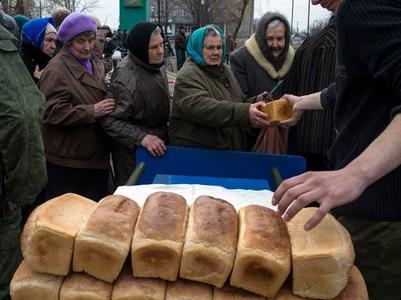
(257, 118)
(296, 111)
(154, 145)
(104, 107)
(329, 189)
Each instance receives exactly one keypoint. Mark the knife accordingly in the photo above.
(266, 98)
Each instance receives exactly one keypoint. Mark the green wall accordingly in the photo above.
(129, 16)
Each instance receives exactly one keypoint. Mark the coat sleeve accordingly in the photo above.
(239, 69)
(193, 102)
(118, 125)
(59, 109)
(20, 151)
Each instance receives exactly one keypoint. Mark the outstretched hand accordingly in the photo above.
(257, 118)
(296, 111)
(330, 189)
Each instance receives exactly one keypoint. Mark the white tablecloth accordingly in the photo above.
(238, 198)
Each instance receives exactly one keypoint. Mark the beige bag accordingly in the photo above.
(272, 140)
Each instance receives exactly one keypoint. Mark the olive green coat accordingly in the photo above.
(206, 112)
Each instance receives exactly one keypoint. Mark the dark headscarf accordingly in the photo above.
(138, 40)
(260, 35)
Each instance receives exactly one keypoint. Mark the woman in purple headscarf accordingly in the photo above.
(38, 44)
(77, 150)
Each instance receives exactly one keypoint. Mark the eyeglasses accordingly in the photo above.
(212, 48)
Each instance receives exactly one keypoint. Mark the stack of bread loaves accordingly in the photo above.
(75, 248)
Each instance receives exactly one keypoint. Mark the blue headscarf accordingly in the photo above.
(33, 32)
(195, 44)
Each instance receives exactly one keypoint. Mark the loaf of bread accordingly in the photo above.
(232, 293)
(126, 287)
(47, 241)
(263, 260)
(80, 286)
(356, 287)
(159, 236)
(210, 241)
(187, 290)
(322, 258)
(28, 284)
(277, 110)
(354, 290)
(103, 243)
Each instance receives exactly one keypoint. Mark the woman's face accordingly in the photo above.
(83, 45)
(212, 50)
(156, 49)
(49, 44)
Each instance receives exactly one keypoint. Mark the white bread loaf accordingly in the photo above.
(28, 284)
(263, 260)
(126, 287)
(159, 236)
(81, 286)
(322, 258)
(233, 293)
(354, 290)
(356, 287)
(188, 290)
(47, 240)
(210, 241)
(103, 243)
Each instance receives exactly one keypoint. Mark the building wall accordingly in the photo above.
(129, 16)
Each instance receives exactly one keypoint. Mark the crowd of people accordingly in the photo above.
(63, 128)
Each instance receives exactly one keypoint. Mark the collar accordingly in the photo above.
(253, 48)
(140, 63)
(79, 72)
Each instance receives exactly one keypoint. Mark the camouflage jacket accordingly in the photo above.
(23, 173)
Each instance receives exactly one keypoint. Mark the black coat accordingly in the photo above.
(32, 57)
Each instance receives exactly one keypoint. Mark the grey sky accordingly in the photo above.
(285, 7)
(108, 11)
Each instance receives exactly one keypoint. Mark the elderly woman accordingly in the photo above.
(139, 85)
(38, 45)
(209, 109)
(77, 150)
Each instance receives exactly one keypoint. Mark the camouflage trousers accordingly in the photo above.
(378, 255)
(10, 257)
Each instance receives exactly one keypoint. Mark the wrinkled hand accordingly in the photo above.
(154, 145)
(37, 73)
(260, 98)
(296, 112)
(329, 189)
(257, 118)
(104, 107)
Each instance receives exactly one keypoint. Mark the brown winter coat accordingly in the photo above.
(71, 134)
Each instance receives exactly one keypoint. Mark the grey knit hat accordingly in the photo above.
(9, 23)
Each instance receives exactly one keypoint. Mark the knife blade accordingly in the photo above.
(267, 97)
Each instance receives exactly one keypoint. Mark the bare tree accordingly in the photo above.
(23, 7)
(235, 14)
(161, 11)
(73, 5)
(203, 11)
